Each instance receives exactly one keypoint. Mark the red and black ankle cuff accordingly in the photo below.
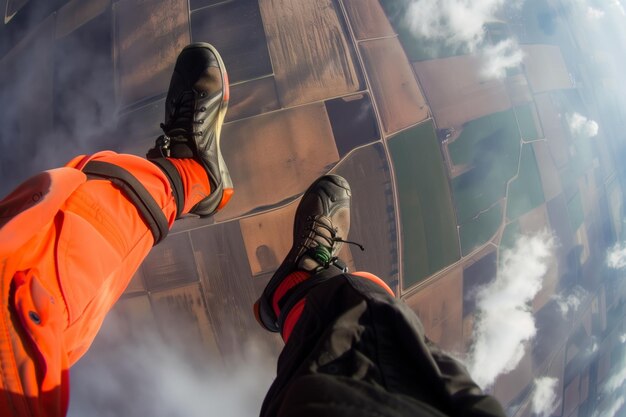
(291, 292)
(176, 183)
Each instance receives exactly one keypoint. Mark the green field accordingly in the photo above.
(417, 48)
(429, 237)
(491, 146)
(478, 231)
(525, 192)
(526, 122)
(511, 232)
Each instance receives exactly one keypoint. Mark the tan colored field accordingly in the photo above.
(368, 19)
(518, 89)
(550, 180)
(553, 129)
(182, 316)
(508, 386)
(251, 98)
(311, 56)
(545, 68)
(147, 42)
(229, 289)
(136, 315)
(534, 221)
(268, 238)
(276, 156)
(456, 91)
(439, 306)
(400, 101)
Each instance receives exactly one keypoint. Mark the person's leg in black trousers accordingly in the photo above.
(352, 348)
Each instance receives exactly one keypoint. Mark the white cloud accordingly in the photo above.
(149, 376)
(594, 14)
(499, 57)
(581, 126)
(544, 396)
(616, 258)
(618, 5)
(504, 320)
(571, 301)
(622, 338)
(461, 23)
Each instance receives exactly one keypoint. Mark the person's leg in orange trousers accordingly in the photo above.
(64, 264)
(72, 238)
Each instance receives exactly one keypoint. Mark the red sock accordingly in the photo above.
(288, 283)
(195, 181)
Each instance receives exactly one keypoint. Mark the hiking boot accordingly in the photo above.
(321, 222)
(194, 113)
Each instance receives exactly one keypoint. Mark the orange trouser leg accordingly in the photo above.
(77, 244)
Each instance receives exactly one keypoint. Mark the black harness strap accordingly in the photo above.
(148, 209)
(176, 182)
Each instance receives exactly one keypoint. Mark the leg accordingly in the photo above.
(73, 237)
(352, 348)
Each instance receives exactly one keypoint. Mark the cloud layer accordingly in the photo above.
(544, 396)
(581, 126)
(504, 319)
(499, 57)
(616, 257)
(147, 376)
(461, 23)
(570, 301)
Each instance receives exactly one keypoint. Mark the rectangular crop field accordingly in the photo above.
(525, 192)
(429, 236)
(490, 148)
(478, 231)
(526, 119)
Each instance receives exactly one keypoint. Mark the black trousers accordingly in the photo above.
(357, 351)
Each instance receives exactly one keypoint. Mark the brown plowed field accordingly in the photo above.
(310, 53)
(368, 19)
(456, 91)
(147, 42)
(545, 68)
(400, 101)
(276, 156)
(440, 308)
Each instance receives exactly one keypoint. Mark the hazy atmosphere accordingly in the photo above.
(484, 142)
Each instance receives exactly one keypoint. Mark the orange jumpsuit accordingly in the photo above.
(68, 248)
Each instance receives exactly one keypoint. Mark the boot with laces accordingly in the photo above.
(321, 223)
(195, 108)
